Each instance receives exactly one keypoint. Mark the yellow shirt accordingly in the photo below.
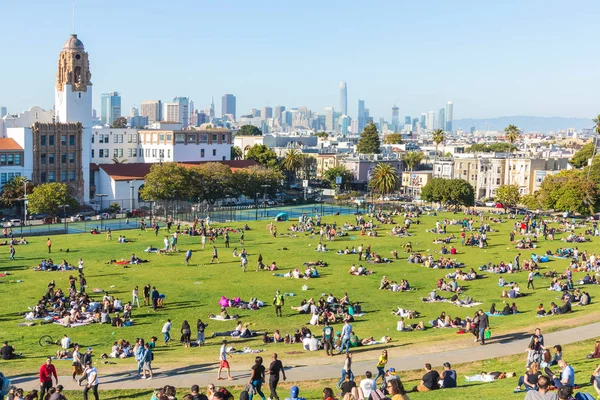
(382, 362)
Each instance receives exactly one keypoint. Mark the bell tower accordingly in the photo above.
(73, 97)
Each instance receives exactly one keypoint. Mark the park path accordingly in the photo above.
(202, 374)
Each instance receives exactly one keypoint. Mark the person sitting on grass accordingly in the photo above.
(448, 377)
(430, 380)
(489, 377)
(542, 392)
(530, 379)
(567, 375)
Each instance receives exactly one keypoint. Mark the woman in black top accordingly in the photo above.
(201, 326)
(186, 332)
(257, 378)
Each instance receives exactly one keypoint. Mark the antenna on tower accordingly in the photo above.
(73, 22)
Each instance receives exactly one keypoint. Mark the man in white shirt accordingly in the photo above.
(368, 384)
(223, 363)
(92, 381)
(166, 329)
(65, 342)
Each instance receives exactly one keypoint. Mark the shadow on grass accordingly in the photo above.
(507, 338)
(145, 393)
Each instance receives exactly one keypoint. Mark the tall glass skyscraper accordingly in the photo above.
(449, 116)
(441, 119)
(343, 98)
(228, 105)
(110, 107)
(395, 112)
(362, 120)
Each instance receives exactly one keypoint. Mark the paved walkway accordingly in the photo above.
(203, 374)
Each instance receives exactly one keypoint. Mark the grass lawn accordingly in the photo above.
(193, 291)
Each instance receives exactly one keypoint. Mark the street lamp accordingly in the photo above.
(131, 196)
(256, 203)
(101, 197)
(265, 196)
(25, 180)
(64, 207)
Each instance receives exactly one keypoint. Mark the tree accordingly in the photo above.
(438, 137)
(384, 178)
(331, 174)
(511, 133)
(292, 161)
(508, 195)
(597, 132)
(210, 182)
(263, 155)
(114, 207)
(166, 181)
(412, 159)
(48, 197)
(533, 201)
(393, 138)
(369, 140)
(309, 167)
(322, 135)
(570, 190)
(236, 153)
(249, 130)
(500, 147)
(119, 123)
(14, 190)
(250, 181)
(449, 192)
(116, 160)
(581, 158)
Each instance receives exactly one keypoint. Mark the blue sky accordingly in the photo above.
(491, 58)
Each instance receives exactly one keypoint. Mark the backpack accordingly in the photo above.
(226, 393)
(583, 396)
(244, 395)
(378, 395)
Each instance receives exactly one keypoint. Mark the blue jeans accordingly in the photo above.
(344, 377)
(257, 385)
(482, 335)
(201, 338)
(380, 372)
(167, 336)
(345, 345)
(522, 383)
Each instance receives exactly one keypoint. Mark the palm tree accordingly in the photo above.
(384, 179)
(14, 190)
(308, 166)
(292, 162)
(116, 160)
(236, 153)
(412, 159)
(597, 132)
(511, 134)
(438, 137)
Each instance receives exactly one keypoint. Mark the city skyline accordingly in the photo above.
(494, 73)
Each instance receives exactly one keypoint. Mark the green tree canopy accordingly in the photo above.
(570, 190)
(14, 190)
(119, 123)
(384, 179)
(166, 181)
(449, 192)
(236, 153)
(341, 170)
(250, 181)
(210, 182)
(249, 130)
(369, 140)
(393, 138)
(500, 147)
(580, 159)
(322, 135)
(48, 197)
(508, 195)
(412, 159)
(263, 155)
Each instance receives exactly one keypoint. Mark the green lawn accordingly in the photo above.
(194, 291)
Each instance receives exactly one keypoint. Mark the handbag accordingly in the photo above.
(250, 389)
(488, 334)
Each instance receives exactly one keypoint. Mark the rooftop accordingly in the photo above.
(9, 144)
(73, 43)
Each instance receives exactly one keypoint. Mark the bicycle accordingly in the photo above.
(46, 340)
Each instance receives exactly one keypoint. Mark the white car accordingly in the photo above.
(15, 222)
(490, 204)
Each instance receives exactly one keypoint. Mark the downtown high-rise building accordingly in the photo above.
(277, 113)
(441, 120)
(151, 109)
(329, 119)
(343, 99)
(362, 116)
(228, 105)
(3, 112)
(267, 112)
(183, 110)
(423, 121)
(449, 116)
(110, 107)
(407, 120)
(395, 113)
(431, 120)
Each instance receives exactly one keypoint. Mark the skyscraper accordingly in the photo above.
(110, 107)
(441, 119)
(183, 110)
(449, 116)
(267, 112)
(344, 124)
(361, 116)
(343, 98)
(228, 105)
(423, 121)
(278, 111)
(3, 112)
(134, 112)
(407, 120)
(329, 119)
(431, 120)
(395, 112)
(151, 109)
(211, 110)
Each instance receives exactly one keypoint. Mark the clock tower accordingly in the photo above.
(73, 98)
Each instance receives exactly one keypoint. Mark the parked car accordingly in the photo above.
(81, 217)
(105, 215)
(47, 220)
(87, 213)
(15, 222)
(140, 213)
(38, 216)
(499, 205)
(490, 204)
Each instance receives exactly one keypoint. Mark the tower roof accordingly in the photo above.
(73, 43)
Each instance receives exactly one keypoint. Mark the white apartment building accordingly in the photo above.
(184, 145)
(114, 144)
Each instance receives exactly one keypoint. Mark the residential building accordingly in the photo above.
(110, 107)
(12, 159)
(343, 103)
(413, 181)
(326, 161)
(228, 105)
(114, 145)
(443, 168)
(361, 165)
(151, 109)
(521, 171)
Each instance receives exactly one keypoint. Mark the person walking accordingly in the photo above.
(383, 359)
(257, 378)
(77, 363)
(186, 332)
(215, 255)
(47, 371)
(147, 357)
(155, 297)
(530, 280)
(259, 263)
(223, 363)
(346, 333)
(49, 244)
(147, 295)
(328, 339)
(135, 297)
(484, 324)
(166, 331)
(278, 302)
(346, 370)
(226, 237)
(275, 368)
(91, 374)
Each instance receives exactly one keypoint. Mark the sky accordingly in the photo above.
(491, 58)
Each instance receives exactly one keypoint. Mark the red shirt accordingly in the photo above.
(46, 372)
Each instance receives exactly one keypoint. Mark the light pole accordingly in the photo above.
(64, 207)
(226, 204)
(101, 197)
(265, 196)
(25, 180)
(131, 196)
(256, 202)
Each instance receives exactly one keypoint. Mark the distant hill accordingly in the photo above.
(528, 124)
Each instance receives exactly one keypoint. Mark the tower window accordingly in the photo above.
(77, 56)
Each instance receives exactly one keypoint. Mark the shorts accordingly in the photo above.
(147, 366)
(223, 364)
